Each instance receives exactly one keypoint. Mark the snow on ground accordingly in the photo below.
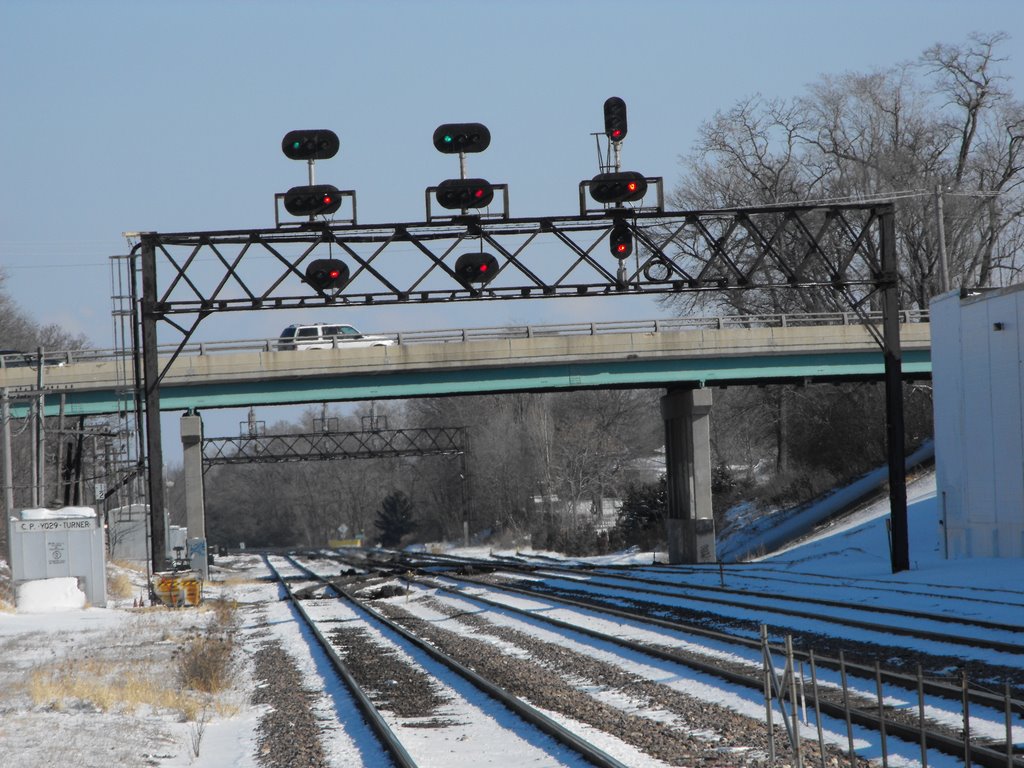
(127, 642)
(49, 595)
(59, 666)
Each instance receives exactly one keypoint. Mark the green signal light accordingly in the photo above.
(296, 144)
(447, 139)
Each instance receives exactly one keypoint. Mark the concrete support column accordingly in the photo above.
(690, 523)
(195, 505)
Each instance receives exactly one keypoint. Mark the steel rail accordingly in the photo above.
(936, 739)
(526, 712)
(871, 626)
(869, 609)
(681, 589)
(980, 642)
(756, 572)
(909, 682)
(374, 719)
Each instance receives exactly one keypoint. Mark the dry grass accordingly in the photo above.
(185, 677)
(6, 591)
(129, 565)
(106, 686)
(6, 598)
(205, 664)
(207, 661)
(225, 613)
(119, 585)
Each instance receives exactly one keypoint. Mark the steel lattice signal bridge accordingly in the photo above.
(839, 257)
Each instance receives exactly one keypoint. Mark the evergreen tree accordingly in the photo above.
(642, 516)
(394, 519)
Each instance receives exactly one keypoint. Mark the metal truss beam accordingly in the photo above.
(784, 247)
(844, 254)
(332, 446)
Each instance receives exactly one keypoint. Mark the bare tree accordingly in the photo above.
(944, 124)
(598, 434)
(526, 449)
(947, 122)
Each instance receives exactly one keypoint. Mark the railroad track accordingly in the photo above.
(961, 599)
(895, 723)
(962, 633)
(557, 744)
(753, 570)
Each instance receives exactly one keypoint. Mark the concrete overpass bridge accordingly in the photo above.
(686, 357)
(671, 353)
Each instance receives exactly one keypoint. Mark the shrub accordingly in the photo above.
(6, 596)
(642, 516)
(796, 487)
(119, 585)
(205, 663)
(225, 613)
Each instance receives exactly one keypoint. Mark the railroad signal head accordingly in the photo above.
(316, 200)
(621, 241)
(464, 193)
(615, 118)
(622, 187)
(318, 144)
(479, 268)
(327, 274)
(452, 138)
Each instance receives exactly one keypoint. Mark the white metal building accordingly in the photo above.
(977, 353)
(60, 543)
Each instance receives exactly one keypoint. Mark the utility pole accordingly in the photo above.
(7, 468)
(940, 222)
(60, 475)
(39, 437)
(895, 430)
(8, 464)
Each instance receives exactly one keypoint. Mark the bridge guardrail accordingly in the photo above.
(459, 335)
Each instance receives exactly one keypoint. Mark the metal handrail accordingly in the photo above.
(502, 332)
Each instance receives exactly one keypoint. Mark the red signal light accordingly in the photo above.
(464, 193)
(615, 118)
(327, 274)
(621, 241)
(315, 200)
(619, 187)
(476, 268)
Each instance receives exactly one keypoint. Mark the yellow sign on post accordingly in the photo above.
(339, 543)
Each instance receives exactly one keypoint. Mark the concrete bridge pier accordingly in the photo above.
(690, 523)
(195, 502)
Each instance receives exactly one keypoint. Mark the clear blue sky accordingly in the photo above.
(168, 116)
